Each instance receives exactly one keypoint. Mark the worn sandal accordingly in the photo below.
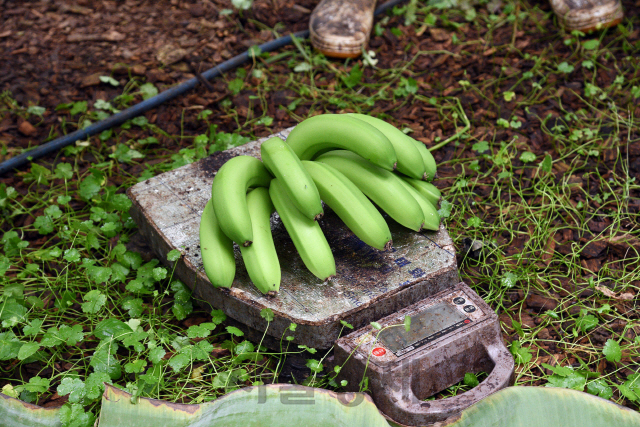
(588, 15)
(341, 28)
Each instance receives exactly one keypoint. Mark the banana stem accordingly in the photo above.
(466, 127)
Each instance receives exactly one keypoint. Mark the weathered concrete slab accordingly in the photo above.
(370, 284)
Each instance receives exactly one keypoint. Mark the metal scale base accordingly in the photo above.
(369, 284)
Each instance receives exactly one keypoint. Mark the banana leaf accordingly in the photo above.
(275, 405)
(543, 407)
(16, 413)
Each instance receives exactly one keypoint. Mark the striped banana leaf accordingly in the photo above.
(284, 405)
(16, 413)
(542, 407)
(275, 405)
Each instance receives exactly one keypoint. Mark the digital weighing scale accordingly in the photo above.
(418, 276)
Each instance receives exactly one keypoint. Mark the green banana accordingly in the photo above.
(427, 158)
(261, 259)
(329, 131)
(306, 234)
(431, 216)
(409, 157)
(216, 249)
(282, 162)
(382, 187)
(351, 205)
(427, 189)
(229, 195)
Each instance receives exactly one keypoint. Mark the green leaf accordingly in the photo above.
(89, 187)
(174, 255)
(110, 80)
(508, 96)
(376, 325)
(521, 354)
(135, 367)
(202, 330)
(94, 385)
(234, 331)
(481, 146)
(353, 78)
(33, 328)
(156, 355)
(586, 322)
(94, 301)
(611, 351)
(159, 273)
(73, 415)
(99, 274)
(565, 377)
(36, 110)
(9, 346)
(314, 365)
(407, 323)
(546, 164)
(148, 90)
(111, 328)
(218, 316)
(445, 209)
(509, 280)
(5, 264)
(35, 385)
(244, 347)
(235, 86)
(591, 44)
(78, 107)
(71, 335)
(43, 224)
(600, 388)
(565, 67)
(302, 67)
(470, 379)
(527, 157)
(63, 171)
(179, 361)
(74, 387)
(103, 361)
(267, 314)
(119, 273)
(134, 307)
(71, 255)
(628, 393)
(27, 350)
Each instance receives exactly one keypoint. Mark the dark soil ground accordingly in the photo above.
(54, 52)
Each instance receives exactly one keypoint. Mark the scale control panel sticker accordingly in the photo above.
(430, 322)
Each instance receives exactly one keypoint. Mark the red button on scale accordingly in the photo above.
(379, 351)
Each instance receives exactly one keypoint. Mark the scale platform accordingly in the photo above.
(369, 283)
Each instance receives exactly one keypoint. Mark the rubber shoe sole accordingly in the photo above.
(588, 15)
(341, 28)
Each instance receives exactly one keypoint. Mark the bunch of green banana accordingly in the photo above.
(346, 160)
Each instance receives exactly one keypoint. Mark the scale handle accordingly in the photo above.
(410, 407)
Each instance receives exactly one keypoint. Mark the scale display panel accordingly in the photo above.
(428, 325)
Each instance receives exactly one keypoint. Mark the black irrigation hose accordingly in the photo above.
(148, 104)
